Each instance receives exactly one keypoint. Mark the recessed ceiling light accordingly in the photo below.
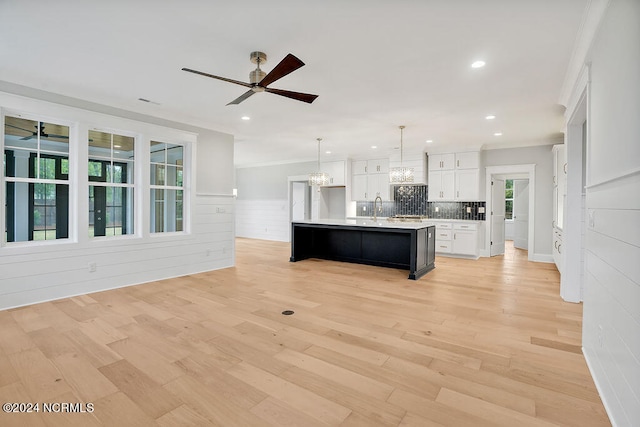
(478, 64)
(374, 146)
(117, 146)
(429, 141)
(246, 118)
(327, 152)
(498, 134)
(490, 117)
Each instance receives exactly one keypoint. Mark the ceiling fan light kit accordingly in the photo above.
(259, 80)
(401, 174)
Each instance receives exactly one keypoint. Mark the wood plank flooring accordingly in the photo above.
(473, 343)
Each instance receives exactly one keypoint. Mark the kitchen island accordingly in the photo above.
(405, 245)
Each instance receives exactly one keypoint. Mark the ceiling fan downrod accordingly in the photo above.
(257, 75)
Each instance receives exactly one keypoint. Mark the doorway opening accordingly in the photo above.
(299, 199)
(499, 211)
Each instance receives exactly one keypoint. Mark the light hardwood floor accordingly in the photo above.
(473, 343)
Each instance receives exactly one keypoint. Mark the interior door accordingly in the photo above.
(497, 216)
(521, 213)
(299, 201)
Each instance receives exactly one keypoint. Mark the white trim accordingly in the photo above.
(596, 381)
(214, 195)
(579, 93)
(530, 170)
(543, 258)
(571, 281)
(620, 177)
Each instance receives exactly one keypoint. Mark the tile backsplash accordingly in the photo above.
(412, 200)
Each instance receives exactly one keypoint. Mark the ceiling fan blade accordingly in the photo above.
(288, 65)
(17, 127)
(238, 82)
(242, 97)
(304, 97)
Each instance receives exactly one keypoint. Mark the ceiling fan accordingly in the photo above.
(259, 80)
(39, 131)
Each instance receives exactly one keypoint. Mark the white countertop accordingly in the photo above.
(369, 222)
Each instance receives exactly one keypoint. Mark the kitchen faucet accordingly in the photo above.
(375, 211)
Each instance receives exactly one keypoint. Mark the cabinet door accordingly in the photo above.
(358, 167)
(378, 166)
(441, 185)
(359, 187)
(448, 185)
(435, 186)
(448, 161)
(465, 242)
(336, 171)
(441, 161)
(378, 185)
(468, 160)
(467, 186)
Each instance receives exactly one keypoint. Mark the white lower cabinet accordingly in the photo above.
(457, 238)
(443, 237)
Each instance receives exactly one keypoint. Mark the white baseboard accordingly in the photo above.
(543, 258)
(596, 381)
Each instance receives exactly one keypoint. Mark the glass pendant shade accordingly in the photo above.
(319, 178)
(401, 174)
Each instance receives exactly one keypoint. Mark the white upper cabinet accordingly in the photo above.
(441, 161)
(337, 172)
(454, 176)
(468, 160)
(378, 166)
(359, 167)
(467, 184)
(370, 179)
(359, 187)
(441, 185)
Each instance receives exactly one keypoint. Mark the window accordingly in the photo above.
(508, 199)
(167, 187)
(36, 170)
(111, 186)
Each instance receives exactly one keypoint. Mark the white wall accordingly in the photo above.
(263, 219)
(611, 325)
(31, 273)
(263, 200)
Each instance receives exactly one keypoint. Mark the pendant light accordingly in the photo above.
(401, 174)
(318, 178)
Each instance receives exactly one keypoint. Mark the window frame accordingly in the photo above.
(8, 218)
(134, 184)
(165, 187)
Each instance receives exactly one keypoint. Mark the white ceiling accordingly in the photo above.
(375, 64)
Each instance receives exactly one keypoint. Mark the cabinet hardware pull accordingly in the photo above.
(458, 163)
(555, 244)
(565, 168)
(559, 246)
